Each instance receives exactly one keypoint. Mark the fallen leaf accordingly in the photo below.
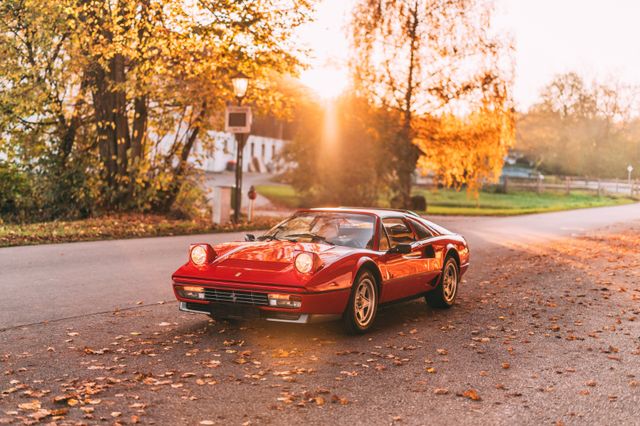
(472, 394)
(33, 405)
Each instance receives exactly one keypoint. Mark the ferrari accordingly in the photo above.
(325, 264)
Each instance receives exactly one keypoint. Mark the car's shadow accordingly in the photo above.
(391, 319)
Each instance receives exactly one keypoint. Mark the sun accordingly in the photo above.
(327, 82)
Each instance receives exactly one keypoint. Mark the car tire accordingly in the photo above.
(444, 295)
(363, 304)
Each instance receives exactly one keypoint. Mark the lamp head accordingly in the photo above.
(240, 84)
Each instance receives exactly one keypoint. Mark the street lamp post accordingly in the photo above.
(629, 170)
(240, 85)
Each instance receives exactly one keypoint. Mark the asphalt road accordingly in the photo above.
(57, 281)
(546, 330)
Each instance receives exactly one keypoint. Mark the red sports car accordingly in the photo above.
(321, 264)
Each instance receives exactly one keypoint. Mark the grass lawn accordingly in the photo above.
(281, 195)
(451, 202)
(116, 227)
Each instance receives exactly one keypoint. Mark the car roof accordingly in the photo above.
(380, 212)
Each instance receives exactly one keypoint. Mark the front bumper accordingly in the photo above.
(234, 311)
(249, 301)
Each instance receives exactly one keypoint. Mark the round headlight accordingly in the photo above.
(199, 255)
(304, 262)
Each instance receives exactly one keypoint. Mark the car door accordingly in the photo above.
(430, 248)
(401, 272)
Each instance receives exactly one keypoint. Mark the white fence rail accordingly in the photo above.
(568, 184)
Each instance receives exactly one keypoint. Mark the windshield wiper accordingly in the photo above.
(268, 238)
(273, 236)
(309, 235)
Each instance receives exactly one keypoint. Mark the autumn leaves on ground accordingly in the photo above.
(543, 335)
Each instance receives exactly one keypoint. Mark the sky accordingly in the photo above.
(600, 39)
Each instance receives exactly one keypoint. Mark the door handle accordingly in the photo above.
(413, 255)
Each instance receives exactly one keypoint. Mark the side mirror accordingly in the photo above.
(401, 249)
(249, 237)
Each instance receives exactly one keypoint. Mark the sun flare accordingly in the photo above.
(326, 82)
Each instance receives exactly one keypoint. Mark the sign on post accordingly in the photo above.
(237, 119)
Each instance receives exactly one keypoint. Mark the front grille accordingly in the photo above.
(235, 296)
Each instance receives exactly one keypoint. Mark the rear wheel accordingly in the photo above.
(363, 304)
(444, 295)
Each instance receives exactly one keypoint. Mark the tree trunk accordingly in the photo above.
(408, 152)
(140, 119)
(103, 105)
(119, 117)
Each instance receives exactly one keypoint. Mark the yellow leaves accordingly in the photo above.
(465, 150)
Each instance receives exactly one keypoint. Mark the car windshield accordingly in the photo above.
(342, 229)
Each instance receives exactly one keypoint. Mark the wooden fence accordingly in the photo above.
(568, 184)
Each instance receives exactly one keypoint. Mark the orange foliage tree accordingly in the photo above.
(133, 84)
(442, 75)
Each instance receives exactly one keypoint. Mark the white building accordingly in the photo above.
(260, 153)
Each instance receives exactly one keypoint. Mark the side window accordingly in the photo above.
(422, 231)
(398, 231)
(383, 244)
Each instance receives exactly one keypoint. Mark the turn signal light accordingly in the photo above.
(190, 292)
(285, 301)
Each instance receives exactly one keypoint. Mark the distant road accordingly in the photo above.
(49, 282)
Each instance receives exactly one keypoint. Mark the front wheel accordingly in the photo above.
(444, 295)
(363, 304)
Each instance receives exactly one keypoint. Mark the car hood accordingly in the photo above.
(261, 262)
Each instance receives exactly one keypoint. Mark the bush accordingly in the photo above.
(419, 203)
(46, 191)
(191, 201)
(15, 193)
